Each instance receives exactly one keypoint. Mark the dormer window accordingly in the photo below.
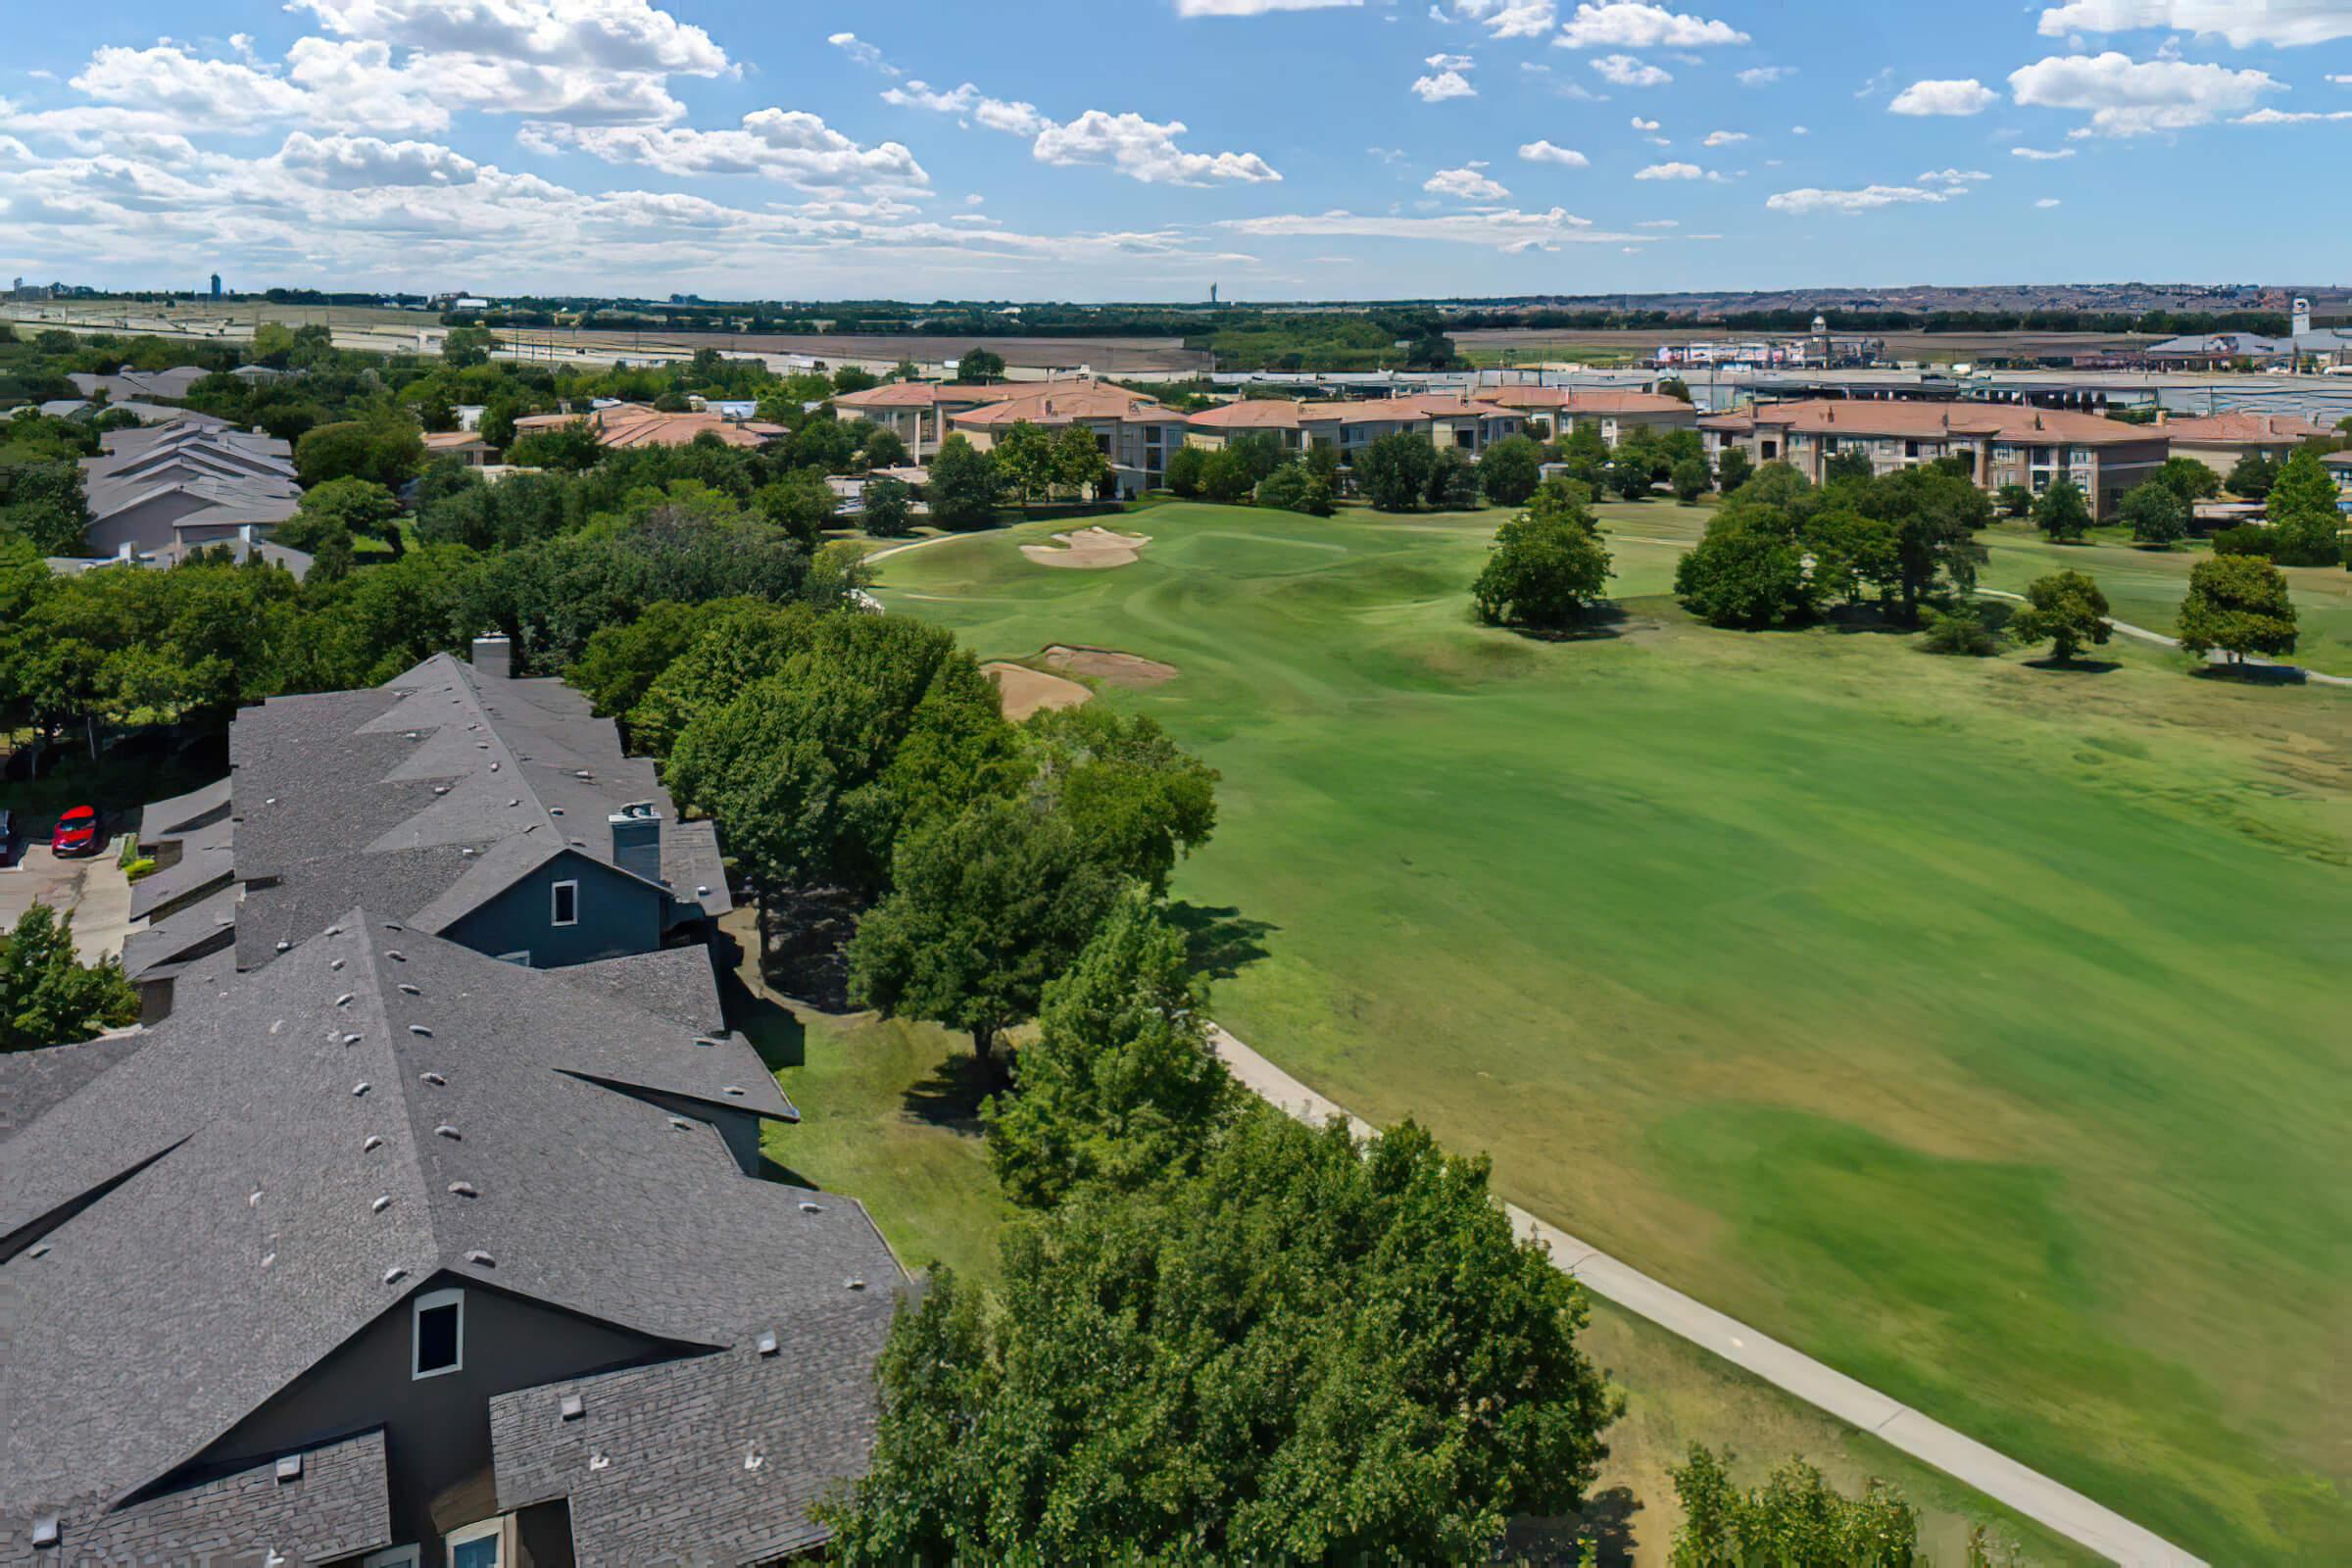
(564, 907)
(439, 1339)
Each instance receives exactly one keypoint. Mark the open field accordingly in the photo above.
(1977, 1028)
(1487, 345)
(888, 1112)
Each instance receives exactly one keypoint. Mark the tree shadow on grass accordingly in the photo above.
(1600, 623)
(951, 1095)
(775, 1030)
(1220, 940)
(2073, 666)
(2253, 674)
(1607, 1521)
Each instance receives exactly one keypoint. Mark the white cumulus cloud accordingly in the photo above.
(1764, 75)
(1812, 198)
(1626, 71)
(1146, 151)
(1671, 171)
(2285, 24)
(1543, 152)
(2041, 154)
(1465, 184)
(1254, 7)
(1628, 24)
(2129, 97)
(1724, 138)
(1445, 80)
(1964, 97)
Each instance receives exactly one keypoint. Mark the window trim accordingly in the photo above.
(554, 902)
(429, 1301)
(407, 1556)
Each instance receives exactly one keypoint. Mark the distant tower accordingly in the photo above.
(1821, 337)
(2300, 320)
(216, 285)
(1213, 294)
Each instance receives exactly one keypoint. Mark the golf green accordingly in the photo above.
(1976, 1027)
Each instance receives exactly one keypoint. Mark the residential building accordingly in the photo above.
(2220, 440)
(2340, 467)
(633, 425)
(1469, 425)
(2004, 443)
(158, 488)
(1553, 412)
(1134, 433)
(390, 1254)
(165, 386)
(918, 412)
(496, 813)
(466, 446)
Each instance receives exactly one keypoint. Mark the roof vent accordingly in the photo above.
(854, 1285)
(380, 1205)
(395, 956)
(345, 1000)
(290, 1467)
(419, 1029)
(269, 1258)
(465, 854)
(767, 1341)
(572, 1408)
(752, 1458)
(253, 1199)
(332, 963)
(408, 989)
(359, 1088)
(351, 1039)
(283, 946)
(395, 1274)
(464, 1189)
(44, 1530)
(680, 1123)
(702, 890)
(493, 767)
(392, 925)
(370, 1144)
(37, 1250)
(812, 1209)
(704, 1040)
(435, 1079)
(731, 1089)
(514, 801)
(555, 810)
(598, 1461)
(481, 1259)
(445, 1129)
(334, 930)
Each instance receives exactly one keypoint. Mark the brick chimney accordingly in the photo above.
(637, 840)
(493, 655)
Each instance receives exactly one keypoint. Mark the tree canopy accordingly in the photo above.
(2239, 604)
(1794, 1520)
(48, 997)
(1393, 470)
(2066, 610)
(2061, 512)
(1545, 571)
(2302, 513)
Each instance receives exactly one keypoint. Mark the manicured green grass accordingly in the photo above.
(1974, 1026)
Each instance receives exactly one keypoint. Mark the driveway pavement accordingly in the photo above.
(93, 891)
(2030, 1493)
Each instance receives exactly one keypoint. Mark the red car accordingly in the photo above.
(77, 833)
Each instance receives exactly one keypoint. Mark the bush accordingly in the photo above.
(2156, 514)
(1544, 572)
(1744, 576)
(1183, 474)
(1291, 488)
(1393, 470)
(1510, 470)
(2066, 610)
(1691, 479)
(2014, 501)
(1965, 630)
(2246, 539)
(1732, 468)
(133, 870)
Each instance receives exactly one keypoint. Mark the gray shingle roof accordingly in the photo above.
(167, 820)
(236, 1184)
(207, 858)
(167, 946)
(676, 983)
(377, 795)
(676, 1485)
(337, 1506)
(31, 1081)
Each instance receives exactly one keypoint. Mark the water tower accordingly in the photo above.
(2300, 321)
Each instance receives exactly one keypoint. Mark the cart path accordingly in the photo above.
(2217, 656)
(2059, 1509)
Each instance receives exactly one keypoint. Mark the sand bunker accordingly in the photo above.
(1023, 691)
(1109, 666)
(1088, 550)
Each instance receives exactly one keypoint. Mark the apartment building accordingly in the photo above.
(1134, 433)
(2004, 443)
(2220, 441)
(1469, 425)
(1553, 412)
(633, 425)
(189, 482)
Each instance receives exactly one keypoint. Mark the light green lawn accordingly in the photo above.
(1977, 1027)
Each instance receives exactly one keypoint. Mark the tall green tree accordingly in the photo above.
(1313, 1350)
(2155, 513)
(1733, 466)
(1136, 799)
(1024, 457)
(2061, 512)
(339, 508)
(1294, 487)
(1120, 1088)
(1794, 1520)
(2302, 513)
(964, 486)
(889, 510)
(1184, 471)
(2193, 482)
(980, 367)
(1393, 472)
(2066, 610)
(1510, 470)
(1937, 517)
(2239, 604)
(1691, 479)
(48, 997)
(2252, 476)
(1544, 572)
(988, 907)
(1453, 482)
(1746, 575)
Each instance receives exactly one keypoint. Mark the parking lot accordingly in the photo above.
(92, 890)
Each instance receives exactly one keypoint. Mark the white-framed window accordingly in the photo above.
(482, 1545)
(563, 904)
(437, 1338)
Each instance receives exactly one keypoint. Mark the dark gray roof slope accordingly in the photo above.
(337, 1506)
(167, 946)
(167, 820)
(428, 796)
(676, 983)
(31, 1081)
(720, 1455)
(296, 1149)
(207, 860)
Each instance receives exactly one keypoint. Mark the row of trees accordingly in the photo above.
(2301, 516)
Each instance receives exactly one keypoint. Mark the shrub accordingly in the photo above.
(1965, 630)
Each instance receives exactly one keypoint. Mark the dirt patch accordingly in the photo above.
(1108, 665)
(1023, 691)
(1088, 550)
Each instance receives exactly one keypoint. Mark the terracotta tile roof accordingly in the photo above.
(1582, 400)
(2230, 430)
(1424, 406)
(1061, 403)
(1258, 413)
(2000, 421)
(633, 425)
(930, 394)
(451, 440)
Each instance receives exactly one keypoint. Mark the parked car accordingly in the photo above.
(9, 847)
(79, 832)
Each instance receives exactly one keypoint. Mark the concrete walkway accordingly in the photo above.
(2058, 1508)
(2217, 656)
(92, 889)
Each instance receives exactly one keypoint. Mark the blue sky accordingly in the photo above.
(1143, 149)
